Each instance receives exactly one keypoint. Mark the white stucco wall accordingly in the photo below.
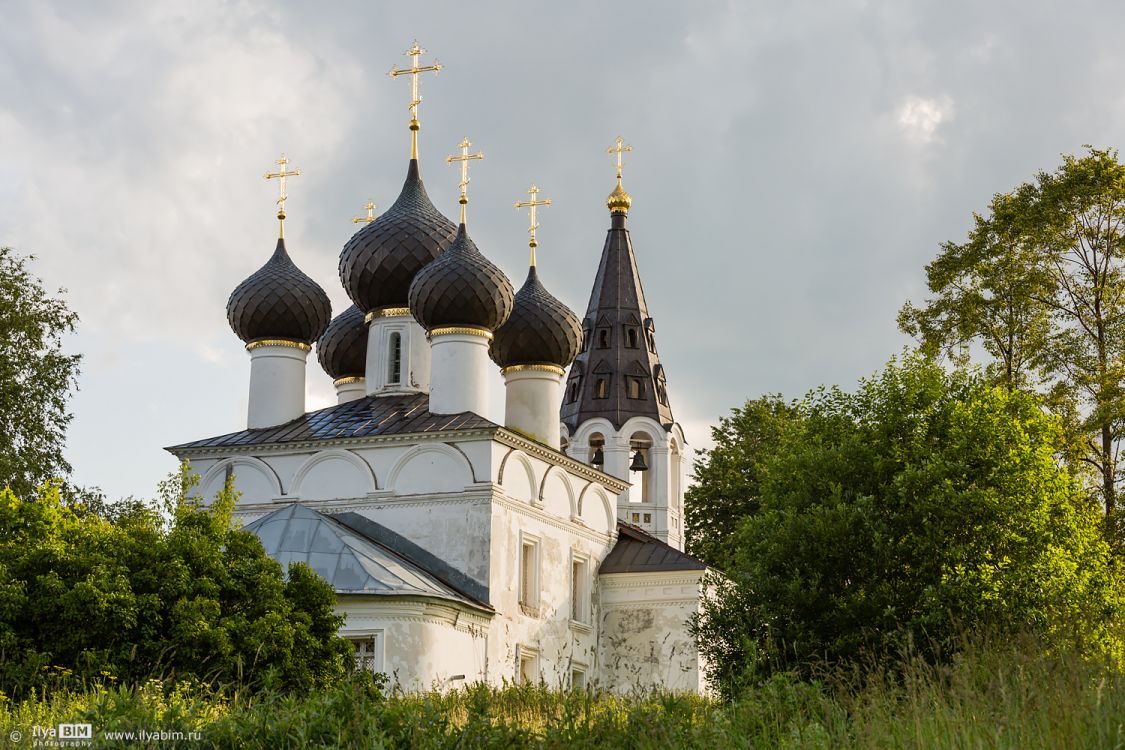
(645, 642)
(425, 643)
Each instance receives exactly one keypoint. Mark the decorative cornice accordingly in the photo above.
(386, 312)
(350, 380)
(513, 440)
(289, 343)
(640, 580)
(465, 330)
(553, 369)
(305, 446)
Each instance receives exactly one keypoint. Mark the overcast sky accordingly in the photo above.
(795, 167)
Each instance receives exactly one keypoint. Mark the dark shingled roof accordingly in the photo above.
(363, 417)
(637, 551)
(461, 288)
(540, 330)
(279, 301)
(620, 344)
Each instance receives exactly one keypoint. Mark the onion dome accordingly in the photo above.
(278, 301)
(619, 201)
(461, 288)
(380, 260)
(540, 331)
(342, 350)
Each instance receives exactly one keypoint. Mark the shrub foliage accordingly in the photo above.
(926, 502)
(84, 598)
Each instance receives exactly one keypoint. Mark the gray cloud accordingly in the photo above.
(796, 165)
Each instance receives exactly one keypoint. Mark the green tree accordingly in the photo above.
(35, 378)
(728, 477)
(84, 598)
(925, 502)
(1039, 284)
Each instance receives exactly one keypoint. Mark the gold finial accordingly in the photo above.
(464, 158)
(370, 206)
(280, 175)
(531, 205)
(619, 201)
(413, 71)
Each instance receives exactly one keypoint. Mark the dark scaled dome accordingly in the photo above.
(380, 260)
(278, 301)
(540, 331)
(461, 288)
(342, 350)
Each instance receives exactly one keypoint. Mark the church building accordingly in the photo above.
(547, 548)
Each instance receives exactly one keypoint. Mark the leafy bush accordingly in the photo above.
(84, 599)
(924, 503)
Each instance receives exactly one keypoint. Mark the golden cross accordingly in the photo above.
(370, 215)
(415, 98)
(619, 150)
(280, 175)
(464, 158)
(531, 205)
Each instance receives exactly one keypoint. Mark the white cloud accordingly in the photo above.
(920, 117)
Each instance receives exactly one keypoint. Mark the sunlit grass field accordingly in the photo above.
(1000, 697)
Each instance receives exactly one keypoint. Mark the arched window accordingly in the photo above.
(601, 387)
(603, 338)
(641, 491)
(632, 336)
(634, 387)
(596, 442)
(394, 359)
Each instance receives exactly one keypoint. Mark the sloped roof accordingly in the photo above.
(363, 417)
(350, 562)
(637, 551)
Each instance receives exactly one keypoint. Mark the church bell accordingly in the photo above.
(639, 463)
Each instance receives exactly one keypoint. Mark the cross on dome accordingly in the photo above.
(414, 71)
(531, 206)
(464, 158)
(370, 206)
(280, 176)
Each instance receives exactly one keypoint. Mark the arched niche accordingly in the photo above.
(434, 467)
(333, 475)
(596, 509)
(557, 494)
(517, 477)
(254, 479)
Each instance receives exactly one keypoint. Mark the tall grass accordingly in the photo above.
(1000, 696)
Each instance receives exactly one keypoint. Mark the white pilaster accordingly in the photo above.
(277, 382)
(531, 397)
(349, 389)
(459, 368)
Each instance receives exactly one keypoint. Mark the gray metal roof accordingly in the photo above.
(637, 551)
(363, 417)
(350, 562)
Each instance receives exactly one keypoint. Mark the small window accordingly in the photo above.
(577, 677)
(579, 590)
(636, 518)
(662, 392)
(601, 388)
(573, 390)
(394, 360)
(529, 666)
(648, 518)
(632, 336)
(368, 653)
(603, 338)
(529, 573)
(635, 387)
(586, 337)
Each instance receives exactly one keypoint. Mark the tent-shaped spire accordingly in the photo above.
(618, 374)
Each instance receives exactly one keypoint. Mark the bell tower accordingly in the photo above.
(615, 409)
